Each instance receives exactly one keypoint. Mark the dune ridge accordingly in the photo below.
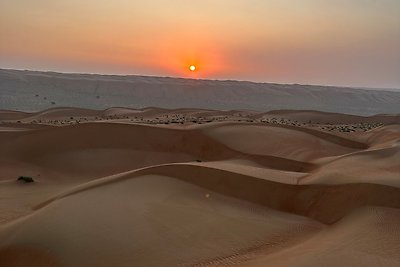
(315, 201)
(42, 90)
(191, 187)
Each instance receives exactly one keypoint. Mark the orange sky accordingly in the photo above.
(305, 41)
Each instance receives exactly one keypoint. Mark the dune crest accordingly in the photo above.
(197, 187)
(43, 90)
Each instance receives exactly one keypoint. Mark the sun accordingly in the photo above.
(192, 67)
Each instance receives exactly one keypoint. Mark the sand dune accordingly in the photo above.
(153, 215)
(326, 117)
(300, 145)
(191, 187)
(367, 237)
(329, 203)
(372, 166)
(12, 115)
(42, 90)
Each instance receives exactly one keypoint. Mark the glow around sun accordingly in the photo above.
(192, 67)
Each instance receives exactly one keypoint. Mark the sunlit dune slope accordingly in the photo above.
(150, 215)
(189, 187)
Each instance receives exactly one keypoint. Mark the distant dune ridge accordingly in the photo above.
(182, 183)
(35, 91)
(197, 187)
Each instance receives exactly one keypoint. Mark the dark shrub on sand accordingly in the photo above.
(26, 179)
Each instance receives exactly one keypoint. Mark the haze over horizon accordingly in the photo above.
(342, 43)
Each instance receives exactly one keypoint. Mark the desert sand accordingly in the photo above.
(196, 187)
(36, 91)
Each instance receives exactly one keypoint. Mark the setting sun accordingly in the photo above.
(192, 68)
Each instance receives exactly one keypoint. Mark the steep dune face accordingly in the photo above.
(43, 90)
(384, 137)
(374, 166)
(151, 187)
(282, 142)
(380, 163)
(158, 215)
(87, 148)
(152, 215)
(326, 204)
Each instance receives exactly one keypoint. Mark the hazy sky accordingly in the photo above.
(339, 42)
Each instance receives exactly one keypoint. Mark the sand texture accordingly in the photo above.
(37, 91)
(197, 187)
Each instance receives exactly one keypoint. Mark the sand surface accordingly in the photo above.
(36, 91)
(196, 187)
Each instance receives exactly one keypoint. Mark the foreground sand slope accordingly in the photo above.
(153, 214)
(368, 237)
(150, 215)
(153, 188)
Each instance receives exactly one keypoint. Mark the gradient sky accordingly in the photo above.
(331, 42)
